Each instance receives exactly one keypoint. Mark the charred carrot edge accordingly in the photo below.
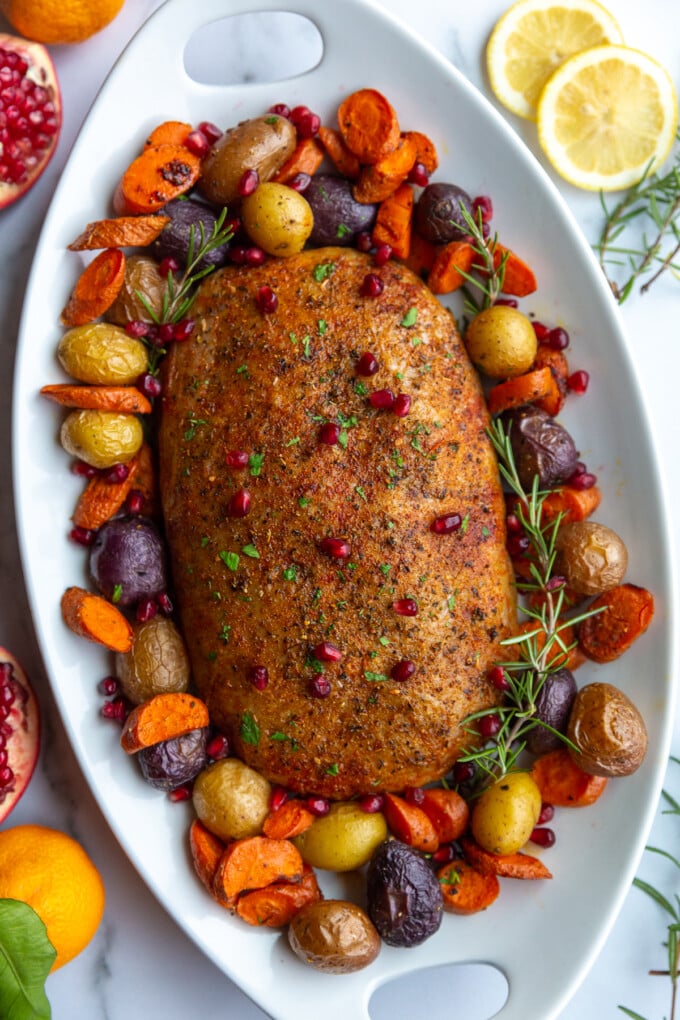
(159, 174)
(517, 865)
(92, 617)
(120, 232)
(163, 717)
(559, 366)
(562, 783)
(344, 161)
(96, 289)
(465, 890)
(368, 124)
(451, 262)
(627, 612)
(394, 220)
(410, 824)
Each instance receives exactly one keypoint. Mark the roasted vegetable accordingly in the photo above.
(231, 799)
(553, 706)
(342, 840)
(171, 763)
(338, 217)
(608, 731)
(404, 899)
(262, 144)
(127, 560)
(438, 216)
(541, 446)
(334, 936)
(591, 557)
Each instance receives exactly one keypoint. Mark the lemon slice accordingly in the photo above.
(534, 37)
(606, 115)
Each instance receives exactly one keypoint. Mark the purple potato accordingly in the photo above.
(173, 241)
(553, 707)
(541, 446)
(404, 898)
(127, 560)
(338, 217)
(171, 763)
(438, 215)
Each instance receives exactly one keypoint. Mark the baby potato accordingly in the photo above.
(278, 218)
(142, 276)
(506, 813)
(501, 342)
(101, 438)
(334, 936)
(342, 840)
(591, 557)
(157, 663)
(262, 144)
(608, 731)
(231, 799)
(102, 354)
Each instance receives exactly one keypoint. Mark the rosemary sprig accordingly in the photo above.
(653, 204)
(542, 650)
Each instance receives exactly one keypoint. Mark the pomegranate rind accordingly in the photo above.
(42, 70)
(23, 743)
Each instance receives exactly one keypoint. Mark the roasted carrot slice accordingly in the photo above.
(126, 399)
(518, 277)
(562, 783)
(92, 617)
(426, 152)
(421, 255)
(563, 653)
(159, 174)
(369, 125)
(379, 180)
(253, 863)
(451, 262)
(170, 132)
(163, 717)
(448, 812)
(101, 499)
(573, 504)
(559, 366)
(394, 220)
(306, 158)
(410, 824)
(344, 161)
(206, 851)
(276, 905)
(626, 613)
(289, 820)
(534, 385)
(120, 232)
(465, 889)
(96, 289)
(517, 865)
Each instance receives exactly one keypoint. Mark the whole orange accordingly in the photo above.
(59, 21)
(53, 874)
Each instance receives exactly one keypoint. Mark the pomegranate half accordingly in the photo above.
(19, 732)
(30, 115)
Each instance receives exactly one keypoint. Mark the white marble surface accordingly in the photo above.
(140, 965)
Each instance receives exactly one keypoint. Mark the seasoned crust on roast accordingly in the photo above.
(259, 590)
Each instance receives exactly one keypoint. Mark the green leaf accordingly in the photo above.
(251, 551)
(26, 956)
(410, 318)
(250, 731)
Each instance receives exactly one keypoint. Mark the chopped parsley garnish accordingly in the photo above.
(250, 731)
(193, 425)
(117, 593)
(225, 633)
(343, 230)
(255, 462)
(323, 271)
(410, 318)
(290, 573)
(322, 326)
(230, 559)
(360, 492)
(304, 501)
(375, 677)
(251, 551)
(333, 769)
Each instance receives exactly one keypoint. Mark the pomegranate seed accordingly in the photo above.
(319, 806)
(508, 302)
(542, 332)
(402, 404)
(83, 470)
(319, 686)
(182, 330)
(278, 798)
(463, 772)
(150, 385)
(197, 143)
(414, 795)
(547, 814)
(236, 458)
(152, 337)
(180, 793)
(146, 610)
(363, 241)
(116, 709)
(555, 583)
(6, 777)
(211, 131)
(577, 382)
(81, 536)
(498, 678)
(217, 747)
(337, 548)
(108, 686)
(266, 300)
(583, 480)
(298, 111)
(307, 125)
(239, 504)
(4, 757)
(254, 256)
(259, 677)
(164, 603)
(405, 607)
(299, 182)
(372, 286)
(489, 725)
(280, 109)
(444, 854)
(137, 328)
(237, 254)
(403, 670)
(166, 332)
(371, 803)
(7, 695)
(367, 364)
(382, 399)
(168, 265)
(446, 524)
(482, 205)
(117, 474)
(329, 434)
(134, 504)
(518, 545)
(418, 175)
(249, 180)
(513, 524)
(558, 339)
(542, 837)
(383, 254)
(326, 652)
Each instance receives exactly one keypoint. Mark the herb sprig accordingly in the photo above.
(489, 284)
(542, 650)
(652, 209)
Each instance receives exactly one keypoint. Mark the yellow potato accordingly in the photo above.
(506, 813)
(277, 218)
(501, 342)
(231, 799)
(102, 354)
(342, 840)
(101, 438)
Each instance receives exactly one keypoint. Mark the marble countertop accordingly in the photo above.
(140, 964)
